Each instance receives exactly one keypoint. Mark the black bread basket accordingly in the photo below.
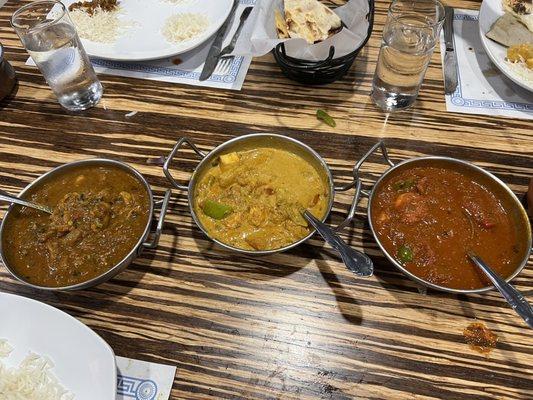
(325, 71)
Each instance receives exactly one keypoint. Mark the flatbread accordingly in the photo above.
(281, 25)
(310, 20)
(522, 10)
(508, 31)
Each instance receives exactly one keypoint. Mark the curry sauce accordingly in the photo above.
(253, 199)
(428, 218)
(100, 213)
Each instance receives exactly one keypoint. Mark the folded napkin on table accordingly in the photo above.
(483, 88)
(141, 380)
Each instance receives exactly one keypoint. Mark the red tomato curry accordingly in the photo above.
(428, 217)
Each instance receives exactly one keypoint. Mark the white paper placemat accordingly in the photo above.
(482, 88)
(184, 68)
(141, 380)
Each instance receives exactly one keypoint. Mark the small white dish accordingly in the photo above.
(83, 362)
(489, 12)
(144, 39)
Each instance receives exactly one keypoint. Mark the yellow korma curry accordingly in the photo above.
(253, 199)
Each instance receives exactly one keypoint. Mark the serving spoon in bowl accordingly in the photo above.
(4, 196)
(356, 261)
(515, 299)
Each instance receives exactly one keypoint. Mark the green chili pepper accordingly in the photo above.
(405, 254)
(404, 185)
(324, 116)
(216, 210)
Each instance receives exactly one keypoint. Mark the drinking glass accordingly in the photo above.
(49, 36)
(409, 38)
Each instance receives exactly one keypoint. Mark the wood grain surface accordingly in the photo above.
(295, 325)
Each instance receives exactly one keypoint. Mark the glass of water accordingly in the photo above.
(409, 38)
(49, 36)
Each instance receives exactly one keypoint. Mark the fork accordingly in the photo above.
(225, 60)
(224, 65)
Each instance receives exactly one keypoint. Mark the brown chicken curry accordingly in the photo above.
(253, 199)
(428, 217)
(99, 215)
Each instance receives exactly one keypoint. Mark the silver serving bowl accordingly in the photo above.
(250, 141)
(515, 208)
(142, 243)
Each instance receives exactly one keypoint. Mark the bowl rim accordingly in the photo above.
(495, 179)
(220, 148)
(111, 272)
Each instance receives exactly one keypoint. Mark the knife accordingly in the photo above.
(450, 59)
(214, 52)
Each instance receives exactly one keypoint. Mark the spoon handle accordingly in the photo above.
(357, 262)
(4, 196)
(515, 299)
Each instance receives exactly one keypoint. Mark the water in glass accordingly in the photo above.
(50, 38)
(406, 49)
(56, 51)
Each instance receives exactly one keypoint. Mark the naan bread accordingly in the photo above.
(281, 25)
(310, 20)
(522, 10)
(508, 31)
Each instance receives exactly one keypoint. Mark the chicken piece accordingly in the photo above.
(258, 215)
(259, 240)
(424, 255)
(127, 198)
(412, 207)
(422, 185)
(383, 217)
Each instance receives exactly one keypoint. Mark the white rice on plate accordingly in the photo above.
(520, 69)
(101, 27)
(184, 26)
(31, 380)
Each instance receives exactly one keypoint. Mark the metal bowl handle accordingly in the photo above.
(357, 182)
(168, 161)
(159, 228)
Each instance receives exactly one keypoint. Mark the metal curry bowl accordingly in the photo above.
(250, 141)
(517, 211)
(141, 244)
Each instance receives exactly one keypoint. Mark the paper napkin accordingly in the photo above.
(482, 88)
(141, 380)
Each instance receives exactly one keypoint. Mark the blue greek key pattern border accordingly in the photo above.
(457, 98)
(138, 389)
(230, 77)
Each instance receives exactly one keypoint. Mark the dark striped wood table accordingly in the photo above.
(296, 325)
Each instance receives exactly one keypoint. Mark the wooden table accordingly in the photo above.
(295, 325)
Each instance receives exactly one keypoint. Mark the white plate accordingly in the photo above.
(83, 362)
(144, 40)
(490, 11)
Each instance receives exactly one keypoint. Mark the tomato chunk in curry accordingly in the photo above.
(427, 218)
(253, 199)
(99, 215)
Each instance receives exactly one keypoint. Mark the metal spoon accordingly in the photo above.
(515, 299)
(357, 262)
(4, 196)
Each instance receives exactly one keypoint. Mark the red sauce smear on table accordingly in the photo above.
(480, 338)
